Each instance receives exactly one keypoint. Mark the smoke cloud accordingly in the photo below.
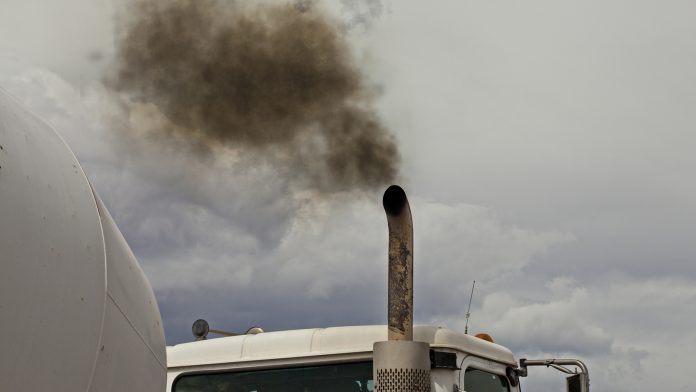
(267, 80)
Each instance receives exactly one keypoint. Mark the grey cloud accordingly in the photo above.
(325, 263)
(216, 232)
(59, 36)
(456, 244)
(549, 149)
(575, 121)
(624, 329)
(360, 14)
(561, 326)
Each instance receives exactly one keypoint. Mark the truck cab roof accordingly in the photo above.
(321, 342)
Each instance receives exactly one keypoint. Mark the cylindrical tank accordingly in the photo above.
(76, 311)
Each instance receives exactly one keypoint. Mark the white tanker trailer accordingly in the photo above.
(76, 311)
(78, 314)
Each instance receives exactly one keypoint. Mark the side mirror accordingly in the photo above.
(576, 383)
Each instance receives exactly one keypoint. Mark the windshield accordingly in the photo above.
(345, 377)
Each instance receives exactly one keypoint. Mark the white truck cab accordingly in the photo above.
(332, 359)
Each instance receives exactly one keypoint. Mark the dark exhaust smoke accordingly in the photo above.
(270, 80)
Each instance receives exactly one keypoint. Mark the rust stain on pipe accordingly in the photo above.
(400, 291)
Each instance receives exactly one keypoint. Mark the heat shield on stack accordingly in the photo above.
(401, 366)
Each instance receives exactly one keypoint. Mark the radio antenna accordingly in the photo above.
(468, 310)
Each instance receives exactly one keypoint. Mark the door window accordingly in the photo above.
(479, 381)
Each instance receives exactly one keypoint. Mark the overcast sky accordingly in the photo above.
(548, 153)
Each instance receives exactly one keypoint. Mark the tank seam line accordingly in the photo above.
(136, 330)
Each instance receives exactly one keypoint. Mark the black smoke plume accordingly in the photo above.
(267, 79)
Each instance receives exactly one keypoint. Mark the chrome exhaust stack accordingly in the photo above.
(400, 364)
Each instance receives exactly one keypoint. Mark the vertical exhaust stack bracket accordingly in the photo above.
(400, 364)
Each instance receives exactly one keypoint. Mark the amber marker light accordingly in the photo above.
(485, 336)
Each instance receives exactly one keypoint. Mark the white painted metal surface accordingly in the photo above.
(76, 312)
(321, 342)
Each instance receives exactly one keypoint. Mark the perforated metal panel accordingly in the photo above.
(402, 366)
(400, 380)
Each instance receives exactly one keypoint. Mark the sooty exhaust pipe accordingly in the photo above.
(400, 364)
(400, 284)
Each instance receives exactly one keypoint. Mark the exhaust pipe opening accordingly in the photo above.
(394, 200)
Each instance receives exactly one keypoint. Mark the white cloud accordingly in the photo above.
(561, 326)
(624, 331)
